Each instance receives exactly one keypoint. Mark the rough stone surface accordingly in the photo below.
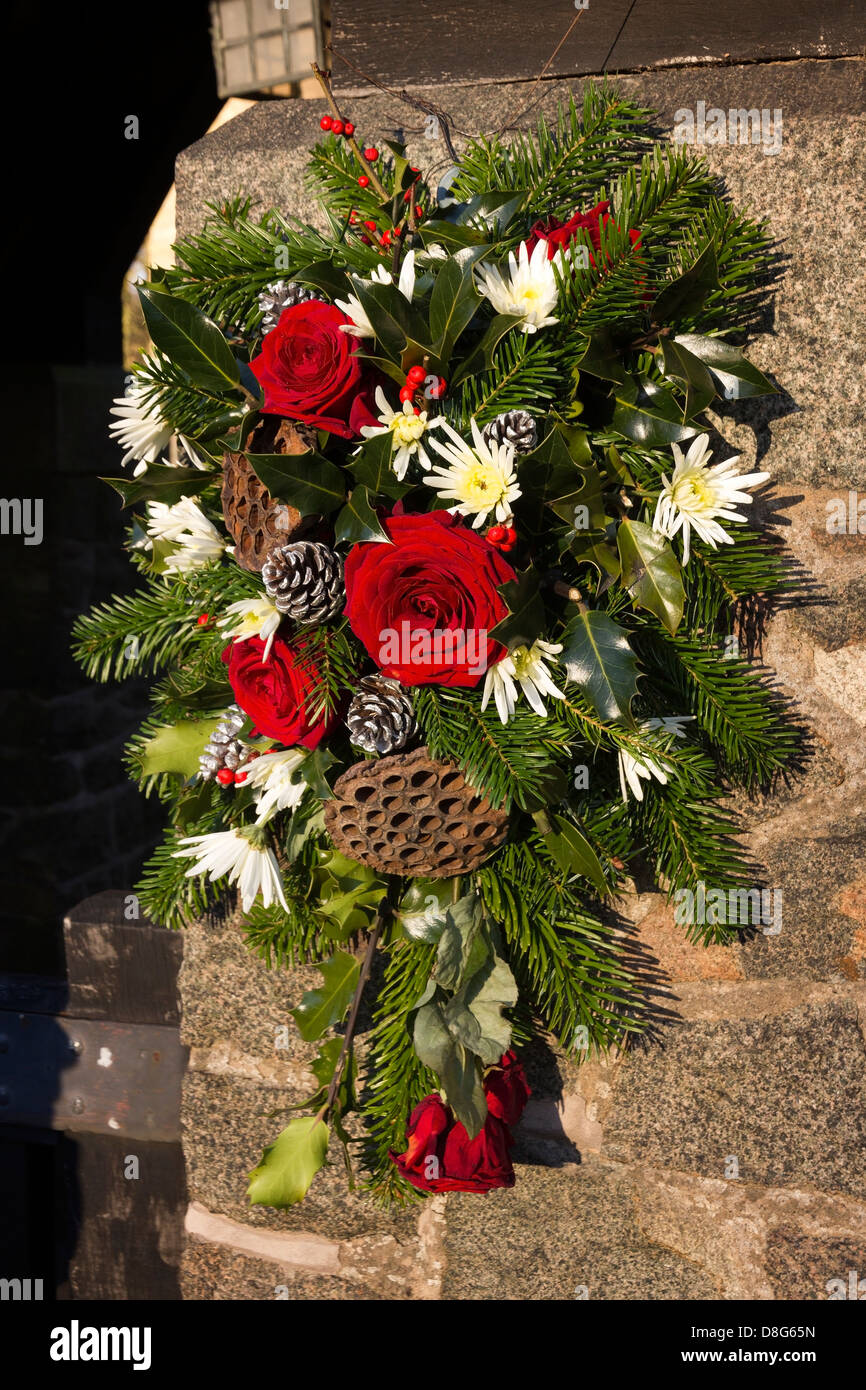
(624, 1182)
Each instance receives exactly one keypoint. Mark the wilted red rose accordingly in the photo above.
(558, 235)
(424, 605)
(277, 693)
(440, 1156)
(310, 371)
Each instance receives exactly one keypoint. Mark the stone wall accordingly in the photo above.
(725, 1157)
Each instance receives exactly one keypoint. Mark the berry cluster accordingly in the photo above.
(415, 379)
(503, 537)
(337, 127)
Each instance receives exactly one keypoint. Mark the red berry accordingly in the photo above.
(496, 535)
(419, 211)
(203, 619)
(511, 535)
(240, 777)
(366, 240)
(438, 391)
(337, 127)
(225, 777)
(370, 224)
(413, 169)
(407, 195)
(406, 393)
(507, 547)
(417, 409)
(348, 127)
(353, 216)
(363, 180)
(326, 123)
(386, 237)
(371, 153)
(415, 376)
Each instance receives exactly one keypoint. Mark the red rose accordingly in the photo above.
(310, 371)
(558, 235)
(277, 693)
(424, 606)
(440, 1156)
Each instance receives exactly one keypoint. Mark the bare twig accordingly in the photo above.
(514, 116)
(381, 917)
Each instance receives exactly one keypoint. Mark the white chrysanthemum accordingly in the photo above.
(274, 776)
(184, 525)
(139, 428)
(526, 667)
(252, 617)
(360, 327)
(697, 493)
(235, 853)
(529, 288)
(632, 769)
(481, 480)
(407, 430)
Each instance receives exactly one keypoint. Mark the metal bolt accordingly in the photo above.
(78, 1106)
(76, 1045)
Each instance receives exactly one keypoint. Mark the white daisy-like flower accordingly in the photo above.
(526, 667)
(482, 480)
(360, 327)
(187, 527)
(696, 494)
(252, 617)
(632, 770)
(407, 430)
(529, 288)
(274, 776)
(241, 855)
(139, 428)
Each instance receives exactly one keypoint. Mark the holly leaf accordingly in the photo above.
(598, 658)
(480, 358)
(451, 235)
(651, 573)
(321, 1008)
(685, 295)
(373, 467)
(560, 474)
(525, 619)
(393, 319)
(161, 483)
(737, 377)
(308, 481)
(649, 414)
(593, 548)
(313, 771)
(358, 522)
(190, 339)
(324, 275)
(684, 367)
(600, 358)
(177, 747)
(452, 306)
(573, 853)
(289, 1165)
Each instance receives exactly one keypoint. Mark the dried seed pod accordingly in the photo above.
(255, 522)
(409, 814)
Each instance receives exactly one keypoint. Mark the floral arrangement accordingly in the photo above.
(443, 580)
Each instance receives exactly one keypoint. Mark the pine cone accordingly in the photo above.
(515, 427)
(380, 717)
(255, 522)
(223, 749)
(409, 814)
(282, 294)
(305, 580)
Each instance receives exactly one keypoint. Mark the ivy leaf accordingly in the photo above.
(651, 572)
(289, 1165)
(321, 1008)
(452, 306)
(649, 414)
(308, 481)
(525, 619)
(161, 483)
(685, 295)
(190, 339)
(599, 659)
(177, 747)
(373, 467)
(683, 366)
(737, 376)
(481, 356)
(358, 522)
(572, 851)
